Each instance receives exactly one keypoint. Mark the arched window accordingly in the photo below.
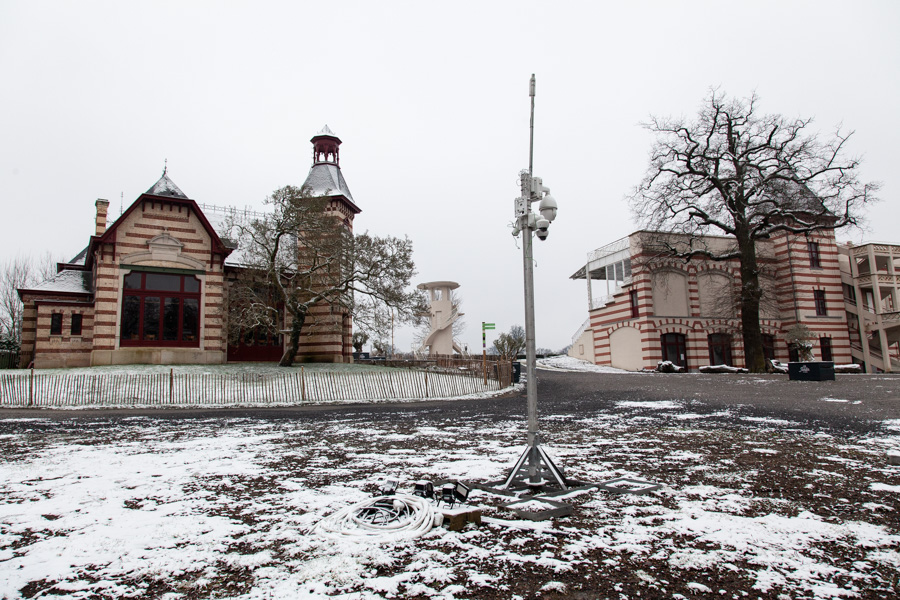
(670, 293)
(160, 309)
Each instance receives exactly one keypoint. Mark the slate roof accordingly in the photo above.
(67, 281)
(166, 187)
(80, 258)
(325, 179)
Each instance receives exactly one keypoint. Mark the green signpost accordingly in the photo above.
(484, 328)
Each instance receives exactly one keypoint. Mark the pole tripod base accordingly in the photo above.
(544, 473)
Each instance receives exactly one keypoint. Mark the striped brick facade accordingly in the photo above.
(668, 296)
(167, 235)
(64, 349)
(157, 234)
(165, 232)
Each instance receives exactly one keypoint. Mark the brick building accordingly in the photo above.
(645, 307)
(152, 287)
(870, 274)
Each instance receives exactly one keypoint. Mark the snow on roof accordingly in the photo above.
(326, 180)
(80, 258)
(68, 281)
(326, 131)
(166, 187)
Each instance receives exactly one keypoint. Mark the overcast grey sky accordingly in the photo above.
(431, 102)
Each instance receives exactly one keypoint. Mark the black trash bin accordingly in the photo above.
(811, 371)
(517, 371)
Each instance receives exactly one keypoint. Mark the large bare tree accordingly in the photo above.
(747, 175)
(300, 255)
(19, 272)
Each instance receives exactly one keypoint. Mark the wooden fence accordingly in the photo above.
(35, 389)
(492, 368)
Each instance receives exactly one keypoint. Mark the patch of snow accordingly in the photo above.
(567, 363)
(768, 421)
(883, 487)
(892, 424)
(650, 404)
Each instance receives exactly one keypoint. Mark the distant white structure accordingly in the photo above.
(443, 315)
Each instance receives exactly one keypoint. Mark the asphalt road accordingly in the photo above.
(852, 403)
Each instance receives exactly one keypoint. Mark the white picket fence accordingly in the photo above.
(34, 389)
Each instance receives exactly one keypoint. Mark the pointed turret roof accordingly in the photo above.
(326, 130)
(166, 187)
(326, 180)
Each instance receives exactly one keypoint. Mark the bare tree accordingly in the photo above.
(300, 256)
(510, 345)
(19, 272)
(359, 340)
(750, 176)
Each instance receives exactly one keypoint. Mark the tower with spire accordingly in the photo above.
(333, 327)
(325, 179)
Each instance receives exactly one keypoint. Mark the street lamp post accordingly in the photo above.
(534, 468)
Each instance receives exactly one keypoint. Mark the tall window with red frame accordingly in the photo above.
(56, 324)
(76, 324)
(160, 309)
(815, 260)
(634, 305)
(821, 307)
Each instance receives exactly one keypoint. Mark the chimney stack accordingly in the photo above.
(102, 206)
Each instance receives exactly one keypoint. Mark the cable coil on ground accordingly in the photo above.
(383, 518)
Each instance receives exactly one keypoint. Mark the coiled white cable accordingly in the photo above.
(381, 519)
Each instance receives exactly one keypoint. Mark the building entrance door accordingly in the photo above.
(674, 348)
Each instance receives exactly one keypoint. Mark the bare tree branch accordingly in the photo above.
(737, 173)
(301, 255)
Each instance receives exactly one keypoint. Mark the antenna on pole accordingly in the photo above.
(531, 87)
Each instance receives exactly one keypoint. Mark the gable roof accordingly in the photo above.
(164, 190)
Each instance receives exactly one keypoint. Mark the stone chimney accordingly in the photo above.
(102, 206)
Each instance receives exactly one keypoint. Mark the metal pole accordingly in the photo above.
(484, 353)
(534, 460)
(527, 256)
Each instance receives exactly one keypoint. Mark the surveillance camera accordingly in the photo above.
(541, 228)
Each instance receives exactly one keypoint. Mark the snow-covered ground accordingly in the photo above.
(567, 363)
(170, 509)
